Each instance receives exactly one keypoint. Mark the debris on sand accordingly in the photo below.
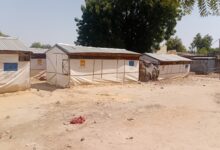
(78, 120)
(82, 139)
(65, 123)
(130, 138)
(69, 146)
(7, 117)
(130, 119)
(162, 88)
(58, 103)
(43, 78)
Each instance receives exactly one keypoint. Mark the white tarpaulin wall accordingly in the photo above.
(57, 68)
(11, 81)
(107, 70)
(38, 66)
(171, 71)
(63, 72)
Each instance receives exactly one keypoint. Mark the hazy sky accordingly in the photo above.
(52, 21)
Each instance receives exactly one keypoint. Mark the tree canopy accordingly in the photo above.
(206, 7)
(137, 25)
(202, 45)
(175, 44)
(39, 45)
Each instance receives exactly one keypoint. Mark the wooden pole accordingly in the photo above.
(117, 70)
(101, 68)
(93, 69)
(219, 44)
(124, 73)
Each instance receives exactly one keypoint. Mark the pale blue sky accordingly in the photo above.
(52, 21)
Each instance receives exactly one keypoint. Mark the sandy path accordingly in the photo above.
(176, 114)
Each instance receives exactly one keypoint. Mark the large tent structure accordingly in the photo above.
(169, 65)
(204, 65)
(73, 65)
(38, 61)
(14, 65)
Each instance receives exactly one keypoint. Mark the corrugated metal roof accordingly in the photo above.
(167, 57)
(12, 44)
(71, 49)
(38, 50)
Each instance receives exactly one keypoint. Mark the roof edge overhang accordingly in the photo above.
(14, 52)
(103, 56)
(161, 61)
(174, 62)
(96, 53)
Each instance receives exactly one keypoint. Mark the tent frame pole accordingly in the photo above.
(124, 73)
(93, 70)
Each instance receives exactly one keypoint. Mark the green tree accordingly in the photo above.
(175, 44)
(202, 45)
(136, 25)
(203, 51)
(39, 45)
(206, 7)
(3, 35)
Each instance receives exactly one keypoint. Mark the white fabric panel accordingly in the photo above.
(121, 70)
(171, 71)
(132, 72)
(62, 80)
(12, 81)
(109, 72)
(9, 58)
(36, 68)
(96, 71)
(57, 68)
(81, 74)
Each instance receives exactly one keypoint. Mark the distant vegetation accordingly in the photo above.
(3, 35)
(175, 43)
(202, 45)
(39, 45)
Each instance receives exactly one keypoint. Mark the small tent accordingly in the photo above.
(38, 61)
(73, 65)
(14, 65)
(169, 65)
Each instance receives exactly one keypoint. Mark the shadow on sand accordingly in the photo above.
(43, 86)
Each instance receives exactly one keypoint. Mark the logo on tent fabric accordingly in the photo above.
(131, 63)
(82, 63)
(10, 66)
(40, 62)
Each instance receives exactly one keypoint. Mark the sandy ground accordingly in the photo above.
(179, 114)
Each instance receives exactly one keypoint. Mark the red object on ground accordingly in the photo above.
(78, 120)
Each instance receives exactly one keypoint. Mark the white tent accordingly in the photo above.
(169, 65)
(72, 65)
(14, 65)
(38, 61)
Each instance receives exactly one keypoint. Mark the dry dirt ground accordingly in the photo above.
(179, 114)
